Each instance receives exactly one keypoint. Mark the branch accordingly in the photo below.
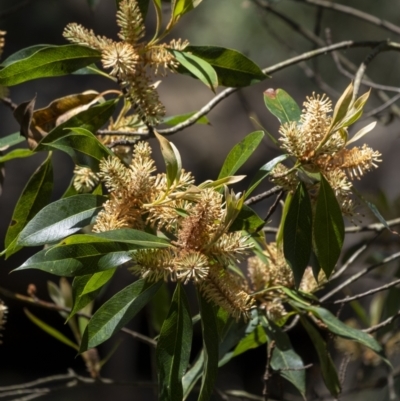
(366, 293)
(372, 19)
(385, 323)
(384, 106)
(264, 195)
(52, 306)
(9, 103)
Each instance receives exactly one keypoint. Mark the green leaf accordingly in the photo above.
(123, 235)
(232, 67)
(175, 120)
(50, 330)
(117, 312)
(328, 369)
(240, 153)
(337, 327)
(286, 206)
(83, 147)
(10, 140)
(253, 340)
(60, 219)
(328, 230)
(48, 61)
(192, 376)
(98, 280)
(171, 157)
(263, 172)
(173, 347)
(81, 301)
(80, 259)
(159, 307)
(159, 13)
(143, 7)
(247, 220)
(281, 105)
(284, 359)
(181, 7)
(210, 346)
(16, 154)
(297, 232)
(23, 53)
(36, 195)
(196, 67)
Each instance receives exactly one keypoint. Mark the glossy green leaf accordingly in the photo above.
(60, 219)
(80, 259)
(171, 157)
(328, 369)
(98, 280)
(240, 153)
(253, 340)
(328, 229)
(80, 301)
(123, 235)
(197, 67)
(159, 14)
(36, 195)
(117, 312)
(10, 140)
(264, 172)
(23, 53)
(175, 120)
(209, 331)
(16, 154)
(284, 359)
(193, 375)
(49, 61)
(50, 330)
(159, 306)
(181, 7)
(83, 147)
(232, 67)
(281, 105)
(247, 220)
(173, 347)
(297, 233)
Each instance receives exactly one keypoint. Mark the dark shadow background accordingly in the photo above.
(27, 353)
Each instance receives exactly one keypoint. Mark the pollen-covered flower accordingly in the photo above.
(121, 58)
(85, 179)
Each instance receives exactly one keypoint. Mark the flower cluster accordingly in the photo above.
(129, 58)
(3, 314)
(195, 218)
(319, 142)
(272, 272)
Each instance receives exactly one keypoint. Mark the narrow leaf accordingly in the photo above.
(16, 154)
(34, 197)
(247, 220)
(175, 120)
(240, 153)
(297, 233)
(98, 280)
(253, 340)
(197, 67)
(281, 105)
(173, 347)
(328, 369)
(210, 346)
(181, 7)
(60, 219)
(362, 132)
(232, 67)
(193, 375)
(50, 330)
(328, 230)
(10, 140)
(49, 61)
(117, 312)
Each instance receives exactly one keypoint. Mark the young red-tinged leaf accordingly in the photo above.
(240, 153)
(117, 312)
(209, 331)
(50, 330)
(61, 219)
(197, 67)
(328, 369)
(232, 67)
(284, 359)
(328, 229)
(281, 105)
(36, 195)
(297, 233)
(171, 157)
(173, 347)
(49, 61)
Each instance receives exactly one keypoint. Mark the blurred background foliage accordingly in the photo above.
(243, 25)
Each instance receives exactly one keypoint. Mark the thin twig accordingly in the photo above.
(51, 306)
(385, 323)
(262, 196)
(367, 293)
(382, 107)
(372, 19)
(271, 210)
(359, 274)
(349, 261)
(122, 142)
(9, 103)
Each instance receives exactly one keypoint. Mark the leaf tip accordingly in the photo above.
(271, 93)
